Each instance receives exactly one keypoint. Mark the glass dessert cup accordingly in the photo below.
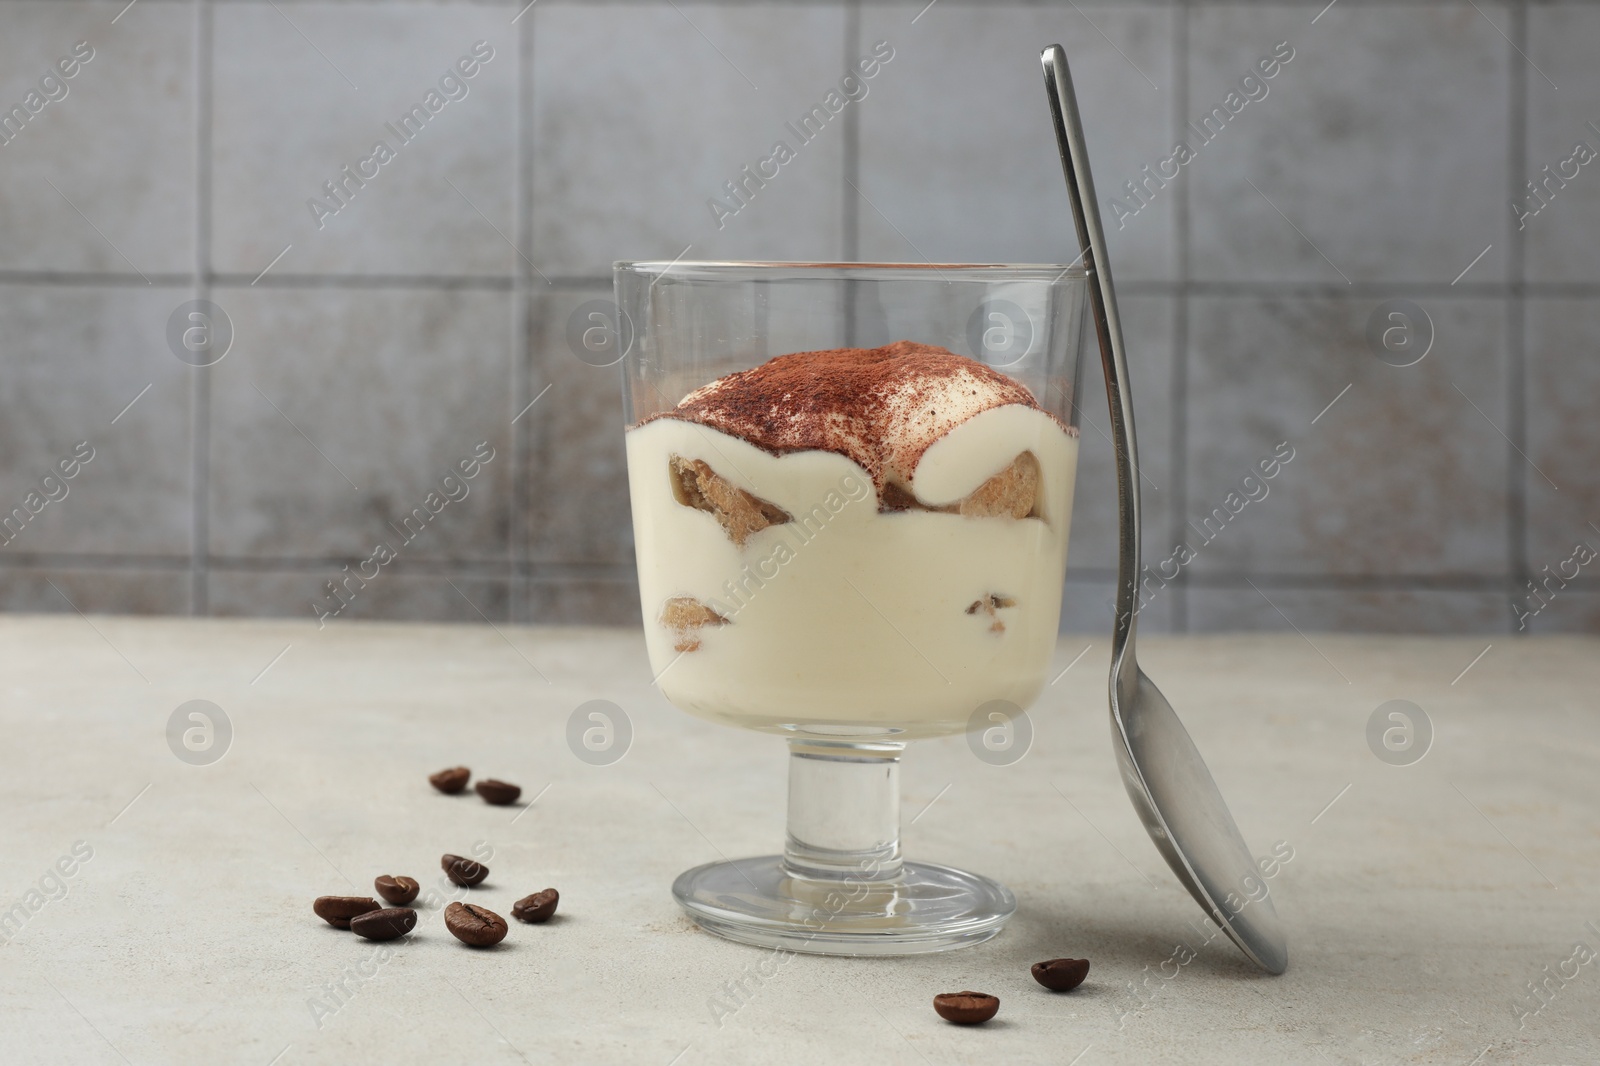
(850, 549)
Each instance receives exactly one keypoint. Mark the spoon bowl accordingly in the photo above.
(1183, 811)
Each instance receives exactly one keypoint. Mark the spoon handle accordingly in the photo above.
(1113, 352)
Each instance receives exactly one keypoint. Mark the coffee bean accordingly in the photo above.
(397, 890)
(338, 910)
(464, 872)
(537, 907)
(1061, 975)
(387, 924)
(450, 781)
(474, 925)
(966, 1008)
(498, 793)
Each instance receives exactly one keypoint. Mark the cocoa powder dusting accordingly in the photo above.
(882, 407)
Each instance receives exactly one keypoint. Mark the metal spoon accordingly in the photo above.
(1166, 778)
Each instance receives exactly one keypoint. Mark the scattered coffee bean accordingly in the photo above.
(397, 890)
(464, 872)
(450, 781)
(474, 925)
(537, 907)
(386, 924)
(966, 1008)
(498, 793)
(338, 910)
(1061, 975)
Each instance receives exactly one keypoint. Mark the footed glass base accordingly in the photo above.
(924, 908)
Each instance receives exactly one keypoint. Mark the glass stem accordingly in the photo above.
(844, 811)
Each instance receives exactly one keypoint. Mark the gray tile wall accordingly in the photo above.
(376, 346)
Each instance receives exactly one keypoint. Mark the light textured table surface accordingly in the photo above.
(1419, 904)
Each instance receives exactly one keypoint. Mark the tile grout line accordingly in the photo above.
(850, 208)
(200, 377)
(1250, 289)
(622, 572)
(1516, 316)
(1453, 581)
(1179, 426)
(1263, 4)
(464, 569)
(518, 593)
(850, 175)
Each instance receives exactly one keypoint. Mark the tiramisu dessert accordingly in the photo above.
(853, 543)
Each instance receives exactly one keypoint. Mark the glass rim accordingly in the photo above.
(714, 268)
